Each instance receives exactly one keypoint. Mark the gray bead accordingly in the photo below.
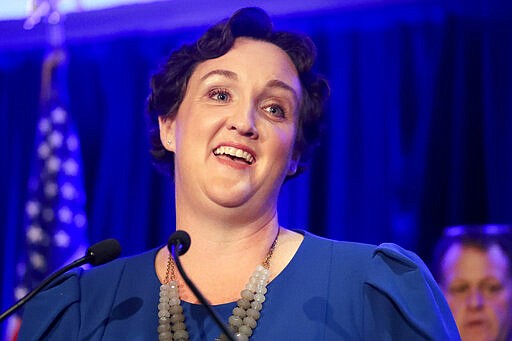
(163, 328)
(241, 337)
(253, 313)
(243, 303)
(256, 305)
(165, 336)
(164, 320)
(174, 301)
(247, 294)
(249, 321)
(259, 298)
(180, 335)
(163, 306)
(176, 309)
(247, 331)
(237, 311)
(164, 313)
(177, 318)
(235, 321)
(179, 326)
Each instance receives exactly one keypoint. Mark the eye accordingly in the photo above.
(275, 110)
(457, 289)
(219, 95)
(492, 288)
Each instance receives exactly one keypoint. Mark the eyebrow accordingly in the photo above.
(221, 72)
(276, 83)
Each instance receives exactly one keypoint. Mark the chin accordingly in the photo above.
(478, 335)
(229, 197)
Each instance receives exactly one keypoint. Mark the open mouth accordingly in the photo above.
(234, 154)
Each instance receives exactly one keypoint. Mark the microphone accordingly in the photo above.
(100, 253)
(178, 245)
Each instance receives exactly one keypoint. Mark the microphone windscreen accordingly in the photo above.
(103, 252)
(179, 238)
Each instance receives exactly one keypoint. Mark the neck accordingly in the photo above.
(222, 258)
(214, 241)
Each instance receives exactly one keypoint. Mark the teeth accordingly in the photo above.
(232, 151)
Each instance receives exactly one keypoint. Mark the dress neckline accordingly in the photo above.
(275, 281)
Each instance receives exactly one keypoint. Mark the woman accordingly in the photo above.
(234, 115)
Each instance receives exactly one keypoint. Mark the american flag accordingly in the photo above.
(54, 220)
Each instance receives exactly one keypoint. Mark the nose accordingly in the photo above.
(243, 121)
(475, 299)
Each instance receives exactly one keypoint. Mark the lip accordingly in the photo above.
(238, 146)
(478, 322)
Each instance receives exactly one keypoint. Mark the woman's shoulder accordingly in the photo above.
(79, 292)
(390, 284)
(372, 257)
(118, 266)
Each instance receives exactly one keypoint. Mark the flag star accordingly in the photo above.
(48, 214)
(55, 139)
(33, 208)
(35, 234)
(70, 167)
(37, 260)
(44, 126)
(61, 239)
(43, 151)
(50, 190)
(65, 215)
(68, 191)
(80, 220)
(58, 115)
(72, 142)
(20, 292)
(53, 164)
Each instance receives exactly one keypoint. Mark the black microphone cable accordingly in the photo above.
(100, 253)
(178, 244)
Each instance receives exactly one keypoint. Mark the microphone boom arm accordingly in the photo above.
(100, 253)
(22, 301)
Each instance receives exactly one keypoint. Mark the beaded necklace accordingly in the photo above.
(171, 321)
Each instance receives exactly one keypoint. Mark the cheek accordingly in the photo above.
(193, 124)
(457, 306)
(454, 303)
(286, 137)
(502, 307)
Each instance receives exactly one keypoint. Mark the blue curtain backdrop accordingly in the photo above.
(419, 129)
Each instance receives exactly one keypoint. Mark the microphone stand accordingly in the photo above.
(198, 294)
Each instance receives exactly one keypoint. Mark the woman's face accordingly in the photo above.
(478, 288)
(234, 133)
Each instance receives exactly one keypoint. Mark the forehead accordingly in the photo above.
(466, 261)
(253, 61)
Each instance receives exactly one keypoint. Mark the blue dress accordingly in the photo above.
(330, 290)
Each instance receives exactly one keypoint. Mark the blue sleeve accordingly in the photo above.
(402, 300)
(54, 314)
(76, 306)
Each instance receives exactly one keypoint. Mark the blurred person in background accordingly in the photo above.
(473, 266)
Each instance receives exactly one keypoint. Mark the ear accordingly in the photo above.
(293, 164)
(167, 132)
